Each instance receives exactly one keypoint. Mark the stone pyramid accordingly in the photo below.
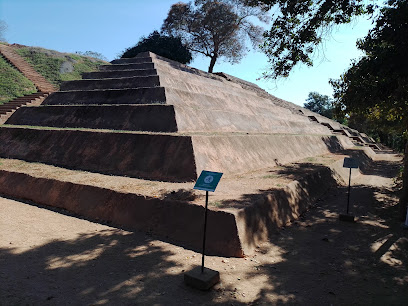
(158, 120)
(152, 118)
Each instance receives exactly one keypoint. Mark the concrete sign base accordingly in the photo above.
(203, 281)
(348, 218)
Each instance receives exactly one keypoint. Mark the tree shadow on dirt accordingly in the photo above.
(111, 267)
(326, 261)
(289, 173)
(377, 168)
(323, 261)
(382, 168)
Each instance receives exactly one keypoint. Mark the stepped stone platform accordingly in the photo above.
(243, 212)
(162, 123)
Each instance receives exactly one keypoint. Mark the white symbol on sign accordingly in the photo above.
(208, 179)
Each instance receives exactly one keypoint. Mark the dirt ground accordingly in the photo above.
(51, 258)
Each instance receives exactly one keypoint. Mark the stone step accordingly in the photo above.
(151, 118)
(358, 139)
(143, 95)
(133, 60)
(11, 103)
(328, 125)
(10, 107)
(126, 66)
(5, 111)
(22, 99)
(115, 83)
(17, 103)
(25, 99)
(140, 155)
(118, 74)
(37, 94)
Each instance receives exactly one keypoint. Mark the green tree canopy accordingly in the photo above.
(216, 29)
(377, 84)
(375, 87)
(299, 27)
(93, 54)
(170, 47)
(321, 104)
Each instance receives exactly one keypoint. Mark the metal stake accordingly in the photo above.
(205, 227)
(348, 196)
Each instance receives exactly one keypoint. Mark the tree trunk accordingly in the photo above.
(404, 195)
(212, 63)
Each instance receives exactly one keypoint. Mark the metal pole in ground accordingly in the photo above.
(348, 163)
(205, 228)
(348, 196)
(200, 277)
(406, 220)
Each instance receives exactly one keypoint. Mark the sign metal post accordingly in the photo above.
(205, 230)
(201, 277)
(350, 163)
(348, 193)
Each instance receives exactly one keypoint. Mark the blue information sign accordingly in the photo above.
(350, 163)
(208, 180)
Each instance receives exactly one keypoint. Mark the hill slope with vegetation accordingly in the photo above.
(13, 83)
(55, 66)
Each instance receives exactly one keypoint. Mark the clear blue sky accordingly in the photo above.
(110, 26)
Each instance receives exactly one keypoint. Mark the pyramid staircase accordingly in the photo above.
(25, 68)
(43, 86)
(8, 108)
(154, 119)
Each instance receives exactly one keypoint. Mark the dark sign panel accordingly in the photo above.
(208, 181)
(350, 163)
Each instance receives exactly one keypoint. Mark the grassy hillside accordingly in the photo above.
(13, 83)
(55, 66)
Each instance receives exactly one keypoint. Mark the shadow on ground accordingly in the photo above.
(107, 267)
(323, 261)
(329, 262)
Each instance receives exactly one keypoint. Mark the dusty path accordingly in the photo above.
(48, 258)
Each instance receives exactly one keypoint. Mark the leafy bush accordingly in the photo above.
(166, 46)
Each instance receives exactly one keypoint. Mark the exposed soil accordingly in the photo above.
(230, 193)
(49, 258)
